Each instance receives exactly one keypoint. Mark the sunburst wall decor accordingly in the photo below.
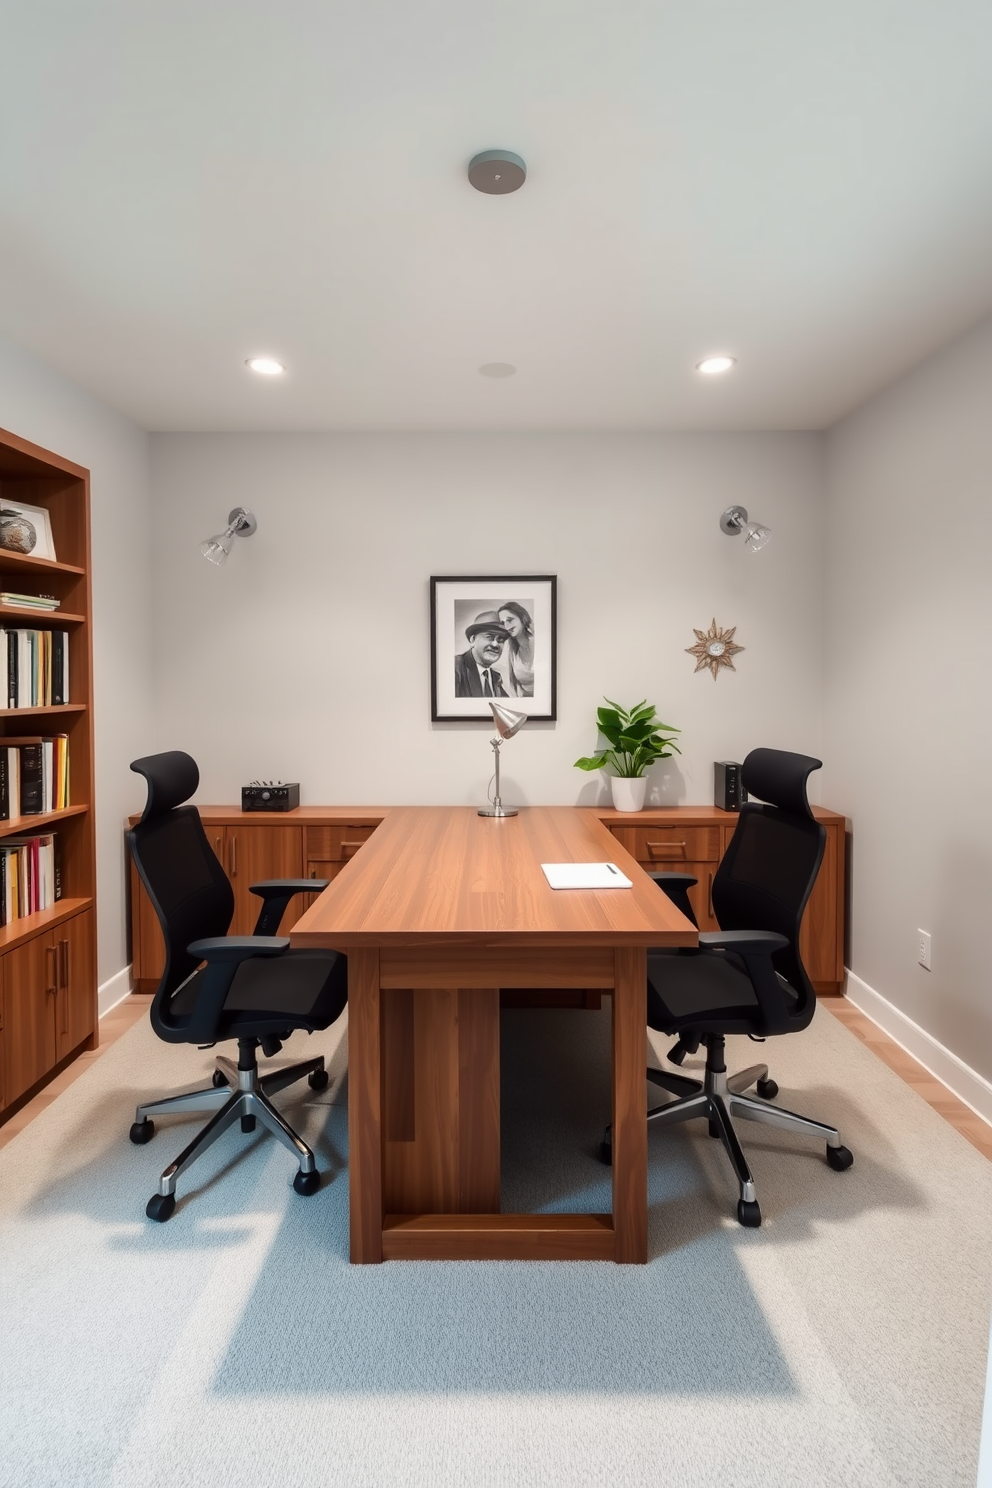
(714, 648)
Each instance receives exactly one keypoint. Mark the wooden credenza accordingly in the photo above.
(319, 841)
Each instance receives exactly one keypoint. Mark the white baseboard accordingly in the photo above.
(114, 991)
(964, 1082)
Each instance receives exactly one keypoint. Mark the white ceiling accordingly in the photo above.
(807, 185)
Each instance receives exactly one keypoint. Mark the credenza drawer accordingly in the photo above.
(674, 844)
(336, 844)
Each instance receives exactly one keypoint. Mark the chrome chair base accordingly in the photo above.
(720, 1097)
(241, 1093)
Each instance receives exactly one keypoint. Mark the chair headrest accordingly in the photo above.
(171, 778)
(779, 777)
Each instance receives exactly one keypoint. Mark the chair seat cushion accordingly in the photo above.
(708, 990)
(302, 989)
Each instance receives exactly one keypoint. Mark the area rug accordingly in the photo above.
(843, 1343)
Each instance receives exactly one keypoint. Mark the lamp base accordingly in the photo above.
(498, 811)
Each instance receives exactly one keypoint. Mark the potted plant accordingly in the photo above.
(636, 738)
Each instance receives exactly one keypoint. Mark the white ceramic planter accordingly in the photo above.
(628, 795)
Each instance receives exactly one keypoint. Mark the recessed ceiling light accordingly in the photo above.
(268, 366)
(497, 369)
(713, 364)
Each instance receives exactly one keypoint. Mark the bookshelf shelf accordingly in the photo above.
(23, 826)
(48, 993)
(28, 617)
(25, 564)
(49, 708)
(29, 926)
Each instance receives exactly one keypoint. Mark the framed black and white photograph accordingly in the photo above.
(493, 637)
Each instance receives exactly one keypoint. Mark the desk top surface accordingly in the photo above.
(444, 873)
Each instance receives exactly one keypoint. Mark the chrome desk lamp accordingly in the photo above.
(507, 724)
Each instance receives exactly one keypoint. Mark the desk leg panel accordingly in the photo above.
(630, 1119)
(478, 1101)
(364, 1106)
(440, 1137)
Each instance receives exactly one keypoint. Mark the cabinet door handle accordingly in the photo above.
(63, 973)
(51, 972)
(217, 846)
(350, 847)
(709, 893)
(658, 847)
(232, 855)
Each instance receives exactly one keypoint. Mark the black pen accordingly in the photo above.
(612, 869)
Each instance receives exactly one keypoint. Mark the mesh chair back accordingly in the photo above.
(768, 871)
(188, 888)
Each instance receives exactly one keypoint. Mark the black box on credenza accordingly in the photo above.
(278, 795)
(728, 789)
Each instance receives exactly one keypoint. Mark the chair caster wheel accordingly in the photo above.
(319, 1079)
(142, 1132)
(839, 1158)
(767, 1089)
(160, 1207)
(606, 1152)
(306, 1183)
(248, 1123)
(748, 1214)
(218, 1079)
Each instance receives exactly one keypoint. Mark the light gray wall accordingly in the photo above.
(307, 656)
(907, 713)
(42, 406)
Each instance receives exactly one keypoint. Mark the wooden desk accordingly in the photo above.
(439, 910)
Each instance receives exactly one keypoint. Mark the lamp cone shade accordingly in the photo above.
(507, 721)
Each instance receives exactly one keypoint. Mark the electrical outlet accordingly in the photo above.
(923, 948)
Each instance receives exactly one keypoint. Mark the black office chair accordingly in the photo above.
(748, 976)
(253, 988)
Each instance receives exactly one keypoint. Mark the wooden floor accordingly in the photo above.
(960, 1116)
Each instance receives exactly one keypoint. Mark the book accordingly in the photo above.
(31, 601)
(585, 876)
(37, 667)
(36, 768)
(59, 658)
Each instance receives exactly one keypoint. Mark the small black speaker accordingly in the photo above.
(270, 795)
(728, 788)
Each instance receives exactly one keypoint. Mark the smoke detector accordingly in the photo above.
(497, 172)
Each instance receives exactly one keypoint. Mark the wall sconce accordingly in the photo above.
(240, 523)
(507, 724)
(734, 520)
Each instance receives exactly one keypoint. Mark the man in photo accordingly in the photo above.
(475, 669)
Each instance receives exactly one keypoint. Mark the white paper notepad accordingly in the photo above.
(585, 876)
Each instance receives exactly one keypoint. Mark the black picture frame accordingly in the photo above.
(456, 603)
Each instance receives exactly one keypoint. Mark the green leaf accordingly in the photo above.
(591, 762)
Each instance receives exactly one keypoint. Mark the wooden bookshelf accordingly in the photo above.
(48, 989)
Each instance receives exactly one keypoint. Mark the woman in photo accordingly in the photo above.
(519, 656)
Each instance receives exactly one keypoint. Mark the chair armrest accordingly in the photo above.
(276, 894)
(743, 942)
(270, 887)
(223, 955)
(238, 948)
(676, 887)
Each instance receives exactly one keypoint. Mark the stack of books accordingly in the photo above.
(36, 665)
(29, 877)
(31, 601)
(34, 776)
